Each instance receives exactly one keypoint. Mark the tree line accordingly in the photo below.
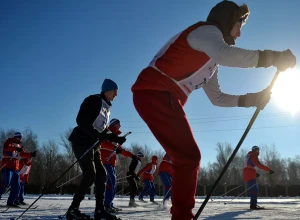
(54, 157)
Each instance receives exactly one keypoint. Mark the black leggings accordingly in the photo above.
(93, 171)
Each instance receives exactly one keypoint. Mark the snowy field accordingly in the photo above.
(50, 207)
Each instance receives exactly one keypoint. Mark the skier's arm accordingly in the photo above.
(257, 163)
(9, 146)
(216, 96)
(125, 152)
(209, 39)
(147, 167)
(86, 117)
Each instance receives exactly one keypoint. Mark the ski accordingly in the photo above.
(16, 207)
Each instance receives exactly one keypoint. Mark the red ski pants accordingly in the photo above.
(164, 115)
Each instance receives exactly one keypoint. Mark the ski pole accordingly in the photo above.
(52, 184)
(228, 192)
(240, 194)
(68, 180)
(6, 163)
(124, 177)
(235, 150)
(120, 173)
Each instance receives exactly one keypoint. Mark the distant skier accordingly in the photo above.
(252, 161)
(147, 177)
(108, 152)
(10, 167)
(132, 177)
(165, 171)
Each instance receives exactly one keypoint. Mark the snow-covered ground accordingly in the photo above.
(50, 207)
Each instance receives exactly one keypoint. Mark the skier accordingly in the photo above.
(252, 161)
(189, 61)
(132, 177)
(147, 177)
(108, 153)
(10, 167)
(24, 170)
(92, 122)
(165, 171)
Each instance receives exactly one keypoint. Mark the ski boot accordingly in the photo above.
(152, 200)
(110, 209)
(142, 200)
(132, 203)
(116, 208)
(104, 215)
(74, 213)
(256, 207)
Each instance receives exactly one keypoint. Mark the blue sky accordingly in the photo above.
(55, 53)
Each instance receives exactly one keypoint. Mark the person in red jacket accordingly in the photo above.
(12, 149)
(108, 152)
(147, 177)
(252, 161)
(187, 62)
(24, 170)
(165, 171)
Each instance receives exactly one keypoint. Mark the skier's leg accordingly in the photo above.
(165, 178)
(6, 175)
(133, 186)
(152, 192)
(253, 190)
(21, 194)
(15, 188)
(147, 187)
(166, 118)
(109, 185)
(88, 174)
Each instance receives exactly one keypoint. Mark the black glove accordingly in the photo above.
(115, 138)
(255, 99)
(119, 150)
(33, 154)
(257, 175)
(19, 149)
(271, 172)
(137, 178)
(280, 59)
(284, 60)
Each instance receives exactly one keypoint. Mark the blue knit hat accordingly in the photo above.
(140, 154)
(108, 85)
(114, 121)
(18, 135)
(255, 148)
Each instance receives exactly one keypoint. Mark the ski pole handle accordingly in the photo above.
(128, 133)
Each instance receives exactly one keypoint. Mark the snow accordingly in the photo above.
(51, 206)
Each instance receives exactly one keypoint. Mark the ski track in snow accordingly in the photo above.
(51, 206)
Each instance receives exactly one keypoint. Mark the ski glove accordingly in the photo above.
(137, 178)
(33, 154)
(19, 149)
(280, 59)
(134, 157)
(119, 150)
(284, 60)
(257, 175)
(115, 138)
(255, 99)
(271, 172)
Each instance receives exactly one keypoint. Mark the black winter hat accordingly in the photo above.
(225, 14)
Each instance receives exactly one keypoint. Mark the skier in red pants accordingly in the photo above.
(189, 61)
